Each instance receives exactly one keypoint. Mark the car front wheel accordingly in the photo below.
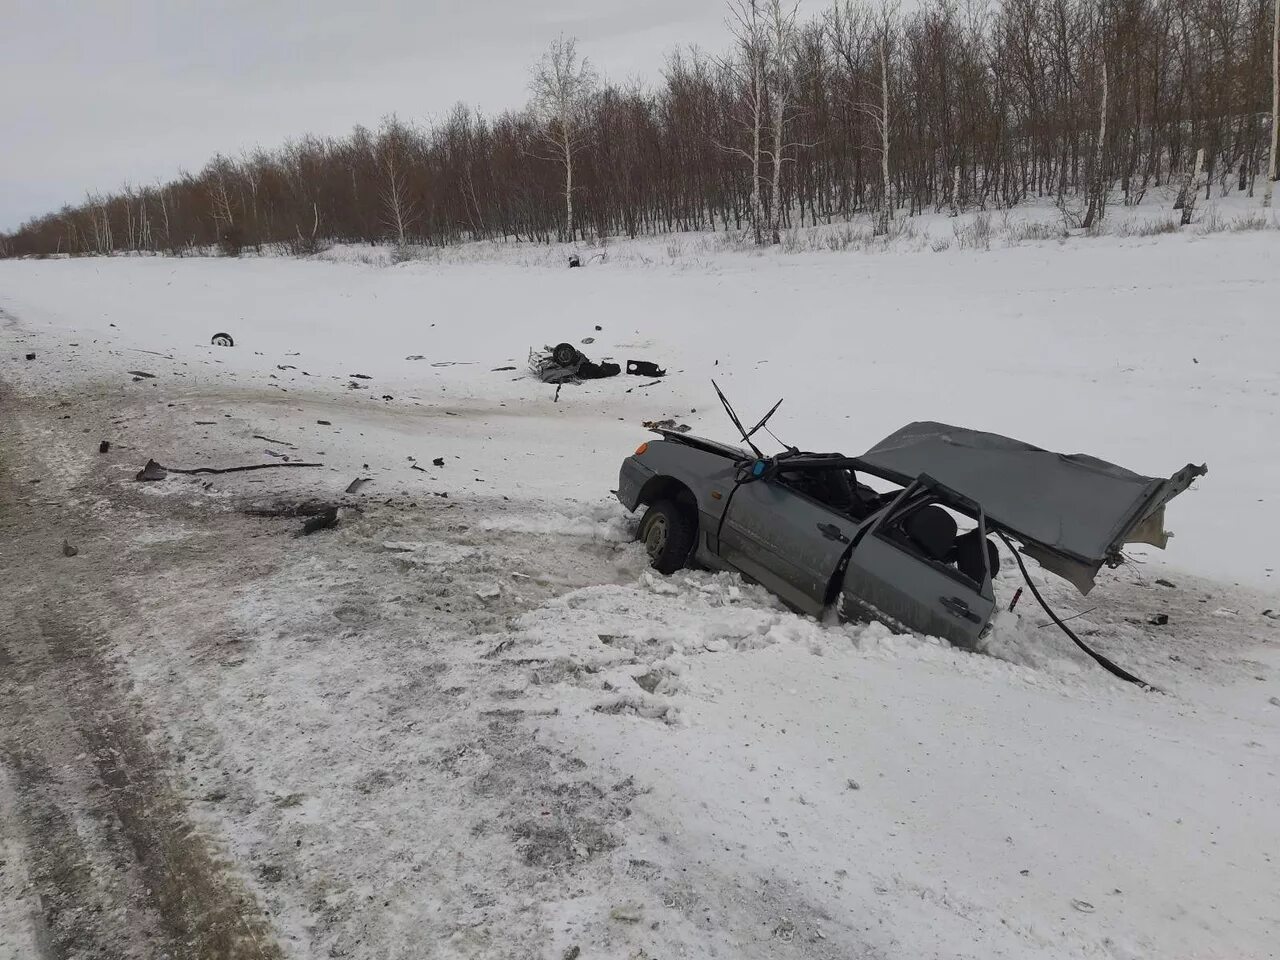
(667, 532)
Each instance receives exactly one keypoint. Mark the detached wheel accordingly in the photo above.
(565, 354)
(668, 531)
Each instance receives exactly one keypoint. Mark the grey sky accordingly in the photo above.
(94, 94)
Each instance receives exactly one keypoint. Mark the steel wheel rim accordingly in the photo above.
(655, 538)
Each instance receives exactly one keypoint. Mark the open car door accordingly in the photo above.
(911, 570)
(1072, 513)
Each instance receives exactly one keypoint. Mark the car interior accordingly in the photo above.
(926, 529)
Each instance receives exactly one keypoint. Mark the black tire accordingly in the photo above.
(668, 532)
(565, 354)
(222, 340)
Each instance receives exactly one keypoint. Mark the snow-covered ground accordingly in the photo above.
(478, 726)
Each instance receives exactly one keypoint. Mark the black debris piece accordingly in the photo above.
(644, 368)
(324, 423)
(598, 328)
(321, 521)
(416, 356)
(152, 471)
(360, 376)
(574, 260)
(1159, 620)
(141, 375)
(222, 340)
(104, 446)
(501, 369)
(1165, 583)
(418, 468)
(438, 461)
(31, 356)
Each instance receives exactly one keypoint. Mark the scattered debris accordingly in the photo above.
(644, 368)
(566, 363)
(1084, 906)
(68, 550)
(285, 366)
(31, 356)
(667, 424)
(416, 356)
(360, 376)
(438, 461)
(598, 328)
(418, 468)
(1159, 620)
(104, 446)
(357, 483)
(574, 261)
(627, 913)
(387, 396)
(1271, 614)
(852, 784)
(222, 340)
(141, 375)
(501, 369)
(154, 471)
(324, 423)
(205, 423)
(588, 340)
(307, 508)
(280, 443)
(1165, 583)
(321, 521)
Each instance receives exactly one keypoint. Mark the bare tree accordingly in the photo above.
(562, 87)
(1275, 101)
(1191, 188)
(781, 40)
(748, 66)
(1098, 188)
(879, 113)
(391, 154)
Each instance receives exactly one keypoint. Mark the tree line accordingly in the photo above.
(856, 109)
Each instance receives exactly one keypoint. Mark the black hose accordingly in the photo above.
(1102, 661)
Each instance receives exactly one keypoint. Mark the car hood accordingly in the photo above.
(1071, 512)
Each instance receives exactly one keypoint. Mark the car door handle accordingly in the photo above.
(957, 607)
(832, 532)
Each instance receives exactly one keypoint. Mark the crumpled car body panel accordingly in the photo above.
(858, 552)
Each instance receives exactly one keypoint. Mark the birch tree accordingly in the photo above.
(1275, 101)
(1097, 188)
(879, 113)
(563, 85)
(391, 154)
(781, 39)
(748, 67)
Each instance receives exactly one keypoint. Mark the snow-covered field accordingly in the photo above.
(478, 726)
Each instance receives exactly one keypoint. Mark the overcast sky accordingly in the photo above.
(94, 94)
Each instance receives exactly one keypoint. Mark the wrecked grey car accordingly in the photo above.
(916, 554)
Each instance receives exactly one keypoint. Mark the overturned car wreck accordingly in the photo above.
(918, 554)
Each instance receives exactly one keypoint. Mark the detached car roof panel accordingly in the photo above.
(1073, 512)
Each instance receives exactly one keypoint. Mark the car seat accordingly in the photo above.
(931, 530)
